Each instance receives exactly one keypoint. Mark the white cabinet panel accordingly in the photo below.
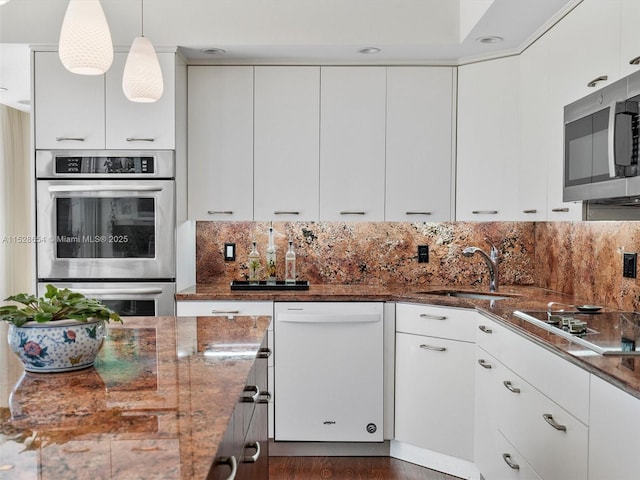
(352, 143)
(287, 136)
(220, 144)
(420, 108)
(630, 36)
(205, 308)
(442, 322)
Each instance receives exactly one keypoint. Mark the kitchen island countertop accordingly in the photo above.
(155, 405)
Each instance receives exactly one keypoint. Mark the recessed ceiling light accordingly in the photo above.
(368, 50)
(490, 39)
(213, 51)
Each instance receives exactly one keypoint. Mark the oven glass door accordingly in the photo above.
(105, 229)
(586, 149)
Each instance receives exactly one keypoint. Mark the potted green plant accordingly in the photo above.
(61, 331)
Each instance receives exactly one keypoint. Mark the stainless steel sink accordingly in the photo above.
(470, 295)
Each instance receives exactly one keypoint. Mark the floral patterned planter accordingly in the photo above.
(59, 346)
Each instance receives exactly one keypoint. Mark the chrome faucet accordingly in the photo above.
(491, 260)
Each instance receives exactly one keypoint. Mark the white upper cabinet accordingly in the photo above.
(352, 143)
(420, 108)
(488, 141)
(91, 112)
(69, 109)
(630, 37)
(286, 140)
(220, 143)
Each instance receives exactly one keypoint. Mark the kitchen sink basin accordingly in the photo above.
(470, 295)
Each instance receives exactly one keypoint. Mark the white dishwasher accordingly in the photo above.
(328, 369)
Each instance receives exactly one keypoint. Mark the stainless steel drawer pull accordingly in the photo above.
(74, 139)
(225, 312)
(483, 363)
(252, 458)
(146, 449)
(634, 61)
(485, 329)
(507, 458)
(549, 419)
(348, 212)
(251, 398)
(286, 212)
(485, 212)
(264, 353)
(231, 462)
(220, 212)
(510, 387)
(134, 139)
(560, 210)
(595, 81)
(431, 347)
(265, 397)
(417, 213)
(533, 210)
(432, 317)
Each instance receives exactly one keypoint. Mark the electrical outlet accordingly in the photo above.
(629, 265)
(229, 252)
(423, 253)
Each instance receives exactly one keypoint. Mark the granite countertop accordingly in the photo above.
(155, 406)
(623, 372)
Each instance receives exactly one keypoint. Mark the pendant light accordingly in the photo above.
(85, 41)
(142, 77)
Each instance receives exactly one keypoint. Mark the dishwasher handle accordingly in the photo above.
(334, 318)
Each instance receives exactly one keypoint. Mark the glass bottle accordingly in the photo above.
(290, 265)
(271, 259)
(254, 265)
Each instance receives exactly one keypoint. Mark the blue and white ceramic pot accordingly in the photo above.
(60, 346)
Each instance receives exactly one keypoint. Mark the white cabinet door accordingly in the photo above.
(220, 144)
(435, 394)
(488, 141)
(286, 138)
(352, 143)
(132, 125)
(614, 432)
(69, 109)
(420, 109)
(630, 36)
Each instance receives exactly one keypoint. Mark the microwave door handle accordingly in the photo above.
(104, 188)
(118, 291)
(611, 147)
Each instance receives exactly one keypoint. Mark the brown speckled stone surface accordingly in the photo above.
(155, 406)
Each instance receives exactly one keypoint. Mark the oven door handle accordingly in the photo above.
(104, 188)
(118, 291)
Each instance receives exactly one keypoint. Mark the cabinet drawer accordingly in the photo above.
(563, 382)
(221, 308)
(503, 461)
(442, 322)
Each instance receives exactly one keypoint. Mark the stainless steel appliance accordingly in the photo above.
(601, 143)
(606, 333)
(106, 217)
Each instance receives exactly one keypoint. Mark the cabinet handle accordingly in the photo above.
(349, 212)
(560, 210)
(417, 213)
(145, 449)
(432, 317)
(485, 329)
(71, 450)
(533, 210)
(252, 398)
(253, 458)
(431, 347)
(232, 462)
(143, 139)
(507, 458)
(483, 363)
(285, 212)
(634, 61)
(485, 212)
(549, 419)
(225, 312)
(595, 81)
(264, 353)
(265, 397)
(220, 212)
(74, 139)
(510, 386)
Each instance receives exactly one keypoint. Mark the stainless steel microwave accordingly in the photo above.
(601, 143)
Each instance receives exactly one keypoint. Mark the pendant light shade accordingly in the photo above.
(85, 41)
(142, 77)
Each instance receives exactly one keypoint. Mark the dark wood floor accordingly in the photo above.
(349, 468)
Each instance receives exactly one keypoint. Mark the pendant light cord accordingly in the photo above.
(142, 19)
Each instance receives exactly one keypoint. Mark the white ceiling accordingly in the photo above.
(424, 32)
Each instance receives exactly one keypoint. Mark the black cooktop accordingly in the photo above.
(607, 333)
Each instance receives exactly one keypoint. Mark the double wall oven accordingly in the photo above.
(105, 224)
